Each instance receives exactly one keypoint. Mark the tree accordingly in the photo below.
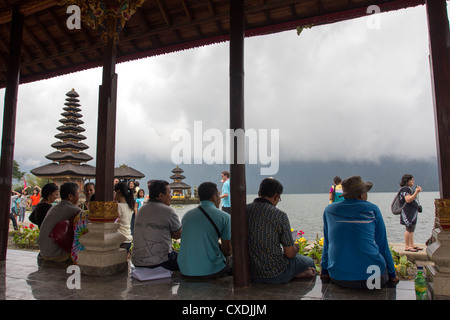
(17, 174)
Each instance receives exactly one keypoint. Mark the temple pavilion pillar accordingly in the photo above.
(102, 255)
(9, 126)
(238, 190)
(439, 251)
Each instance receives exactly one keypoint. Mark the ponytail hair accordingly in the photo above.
(405, 179)
(126, 192)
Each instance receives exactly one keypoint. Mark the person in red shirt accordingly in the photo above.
(35, 197)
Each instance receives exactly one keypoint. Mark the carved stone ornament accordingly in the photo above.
(442, 207)
(108, 17)
(100, 211)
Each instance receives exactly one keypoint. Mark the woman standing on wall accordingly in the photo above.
(408, 217)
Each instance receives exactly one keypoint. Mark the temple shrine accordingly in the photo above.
(181, 192)
(69, 161)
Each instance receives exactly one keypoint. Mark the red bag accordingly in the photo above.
(62, 234)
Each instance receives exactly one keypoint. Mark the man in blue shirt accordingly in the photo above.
(200, 253)
(355, 243)
(226, 202)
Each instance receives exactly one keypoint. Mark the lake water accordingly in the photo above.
(305, 213)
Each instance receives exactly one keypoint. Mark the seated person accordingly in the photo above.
(65, 210)
(200, 253)
(268, 228)
(48, 195)
(125, 200)
(89, 192)
(355, 239)
(155, 226)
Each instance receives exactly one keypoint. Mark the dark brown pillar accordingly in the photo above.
(9, 127)
(238, 195)
(439, 39)
(106, 131)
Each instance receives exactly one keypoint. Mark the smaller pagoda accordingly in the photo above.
(181, 192)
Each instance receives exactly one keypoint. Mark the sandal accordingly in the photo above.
(418, 248)
(412, 250)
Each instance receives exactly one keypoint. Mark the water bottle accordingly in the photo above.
(420, 284)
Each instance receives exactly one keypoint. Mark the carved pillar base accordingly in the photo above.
(438, 276)
(102, 255)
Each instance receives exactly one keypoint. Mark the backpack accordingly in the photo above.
(396, 208)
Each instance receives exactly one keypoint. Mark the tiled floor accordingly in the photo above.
(22, 279)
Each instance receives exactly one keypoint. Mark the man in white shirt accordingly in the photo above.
(155, 226)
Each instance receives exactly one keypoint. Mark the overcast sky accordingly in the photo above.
(339, 91)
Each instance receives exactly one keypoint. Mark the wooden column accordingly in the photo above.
(106, 131)
(9, 127)
(439, 39)
(238, 195)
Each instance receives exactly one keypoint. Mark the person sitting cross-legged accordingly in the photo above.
(355, 244)
(268, 228)
(200, 253)
(155, 226)
(67, 209)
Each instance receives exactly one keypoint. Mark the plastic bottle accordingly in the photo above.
(420, 284)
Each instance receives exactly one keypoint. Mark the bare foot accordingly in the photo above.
(308, 273)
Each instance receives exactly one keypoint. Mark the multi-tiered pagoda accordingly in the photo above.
(69, 159)
(181, 192)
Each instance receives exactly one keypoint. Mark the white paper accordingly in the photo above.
(143, 274)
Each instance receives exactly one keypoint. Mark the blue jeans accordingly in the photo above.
(22, 214)
(296, 265)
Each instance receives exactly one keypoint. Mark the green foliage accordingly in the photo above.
(401, 262)
(313, 251)
(300, 29)
(32, 181)
(27, 237)
(176, 245)
(17, 174)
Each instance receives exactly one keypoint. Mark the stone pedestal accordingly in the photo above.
(102, 255)
(438, 276)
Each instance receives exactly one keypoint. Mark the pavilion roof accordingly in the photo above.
(127, 173)
(55, 170)
(179, 185)
(160, 26)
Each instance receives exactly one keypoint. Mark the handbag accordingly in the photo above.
(62, 234)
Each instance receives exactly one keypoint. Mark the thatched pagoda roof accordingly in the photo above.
(127, 173)
(55, 170)
(71, 128)
(69, 155)
(179, 185)
(69, 145)
(177, 176)
(177, 170)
